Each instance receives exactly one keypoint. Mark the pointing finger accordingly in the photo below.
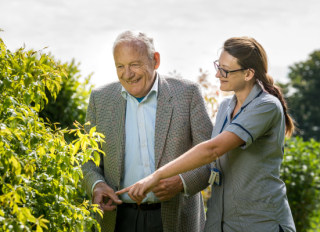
(122, 191)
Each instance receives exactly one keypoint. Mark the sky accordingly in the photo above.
(188, 34)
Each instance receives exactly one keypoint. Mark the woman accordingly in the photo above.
(246, 148)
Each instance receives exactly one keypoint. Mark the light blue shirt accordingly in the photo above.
(140, 133)
(139, 147)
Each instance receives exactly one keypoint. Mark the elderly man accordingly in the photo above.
(148, 120)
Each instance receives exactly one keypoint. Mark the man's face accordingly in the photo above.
(135, 70)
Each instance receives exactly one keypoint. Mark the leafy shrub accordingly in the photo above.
(301, 173)
(39, 170)
(71, 102)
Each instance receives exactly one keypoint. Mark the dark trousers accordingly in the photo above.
(135, 219)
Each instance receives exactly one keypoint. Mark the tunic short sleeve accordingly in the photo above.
(255, 120)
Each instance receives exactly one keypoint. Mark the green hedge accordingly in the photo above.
(301, 173)
(39, 171)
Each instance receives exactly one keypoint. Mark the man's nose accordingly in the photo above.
(128, 72)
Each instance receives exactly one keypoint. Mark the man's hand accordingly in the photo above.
(168, 188)
(105, 197)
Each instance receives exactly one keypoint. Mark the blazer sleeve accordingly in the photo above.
(201, 129)
(91, 172)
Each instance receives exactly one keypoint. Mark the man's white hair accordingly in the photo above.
(131, 36)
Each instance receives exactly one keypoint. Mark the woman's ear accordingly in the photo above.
(249, 74)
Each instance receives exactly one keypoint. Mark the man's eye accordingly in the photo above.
(119, 66)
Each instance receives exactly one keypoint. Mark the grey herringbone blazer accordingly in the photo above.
(181, 122)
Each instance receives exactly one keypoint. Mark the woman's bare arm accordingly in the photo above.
(203, 153)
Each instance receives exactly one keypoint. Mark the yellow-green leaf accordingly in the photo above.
(96, 156)
(16, 165)
(76, 147)
(92, 130)
(39, 229)
(26, 212)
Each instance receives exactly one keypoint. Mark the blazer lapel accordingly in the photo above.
(163, 118)
(118, 122)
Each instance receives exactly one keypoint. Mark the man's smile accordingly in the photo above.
(133, 82)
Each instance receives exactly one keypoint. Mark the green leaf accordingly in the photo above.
(27, 214)
(39, 229)
(96, 156)
(76, 148)
(16, 165)
(1, 212)
(92, 130)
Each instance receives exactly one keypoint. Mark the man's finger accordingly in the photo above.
(158, 188)
(113, 196)
(106, 207)
(109, 206)
(160, 193)
(164, 196)
(97, 199)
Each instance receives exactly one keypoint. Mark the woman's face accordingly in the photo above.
(230, 73)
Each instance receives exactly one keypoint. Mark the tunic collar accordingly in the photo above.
(255, 91)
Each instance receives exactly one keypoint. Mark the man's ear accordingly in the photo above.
(156, 60)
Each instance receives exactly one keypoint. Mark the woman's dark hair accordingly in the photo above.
(250, 54)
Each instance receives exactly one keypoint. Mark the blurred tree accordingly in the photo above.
(71, 102)
(303, 102)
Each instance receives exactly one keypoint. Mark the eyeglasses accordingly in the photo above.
(224, 73)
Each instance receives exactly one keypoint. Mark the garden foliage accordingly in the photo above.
(71, 101)
(39, 171)
(301, 173)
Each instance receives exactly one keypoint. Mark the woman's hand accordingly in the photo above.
(139, 190)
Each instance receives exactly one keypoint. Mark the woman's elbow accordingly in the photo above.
(211, 152)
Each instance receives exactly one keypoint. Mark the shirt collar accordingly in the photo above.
(252, 95)
(154, 89)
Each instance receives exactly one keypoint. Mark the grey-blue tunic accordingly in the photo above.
(252, 197)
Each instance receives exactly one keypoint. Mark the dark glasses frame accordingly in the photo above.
(224, 73)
